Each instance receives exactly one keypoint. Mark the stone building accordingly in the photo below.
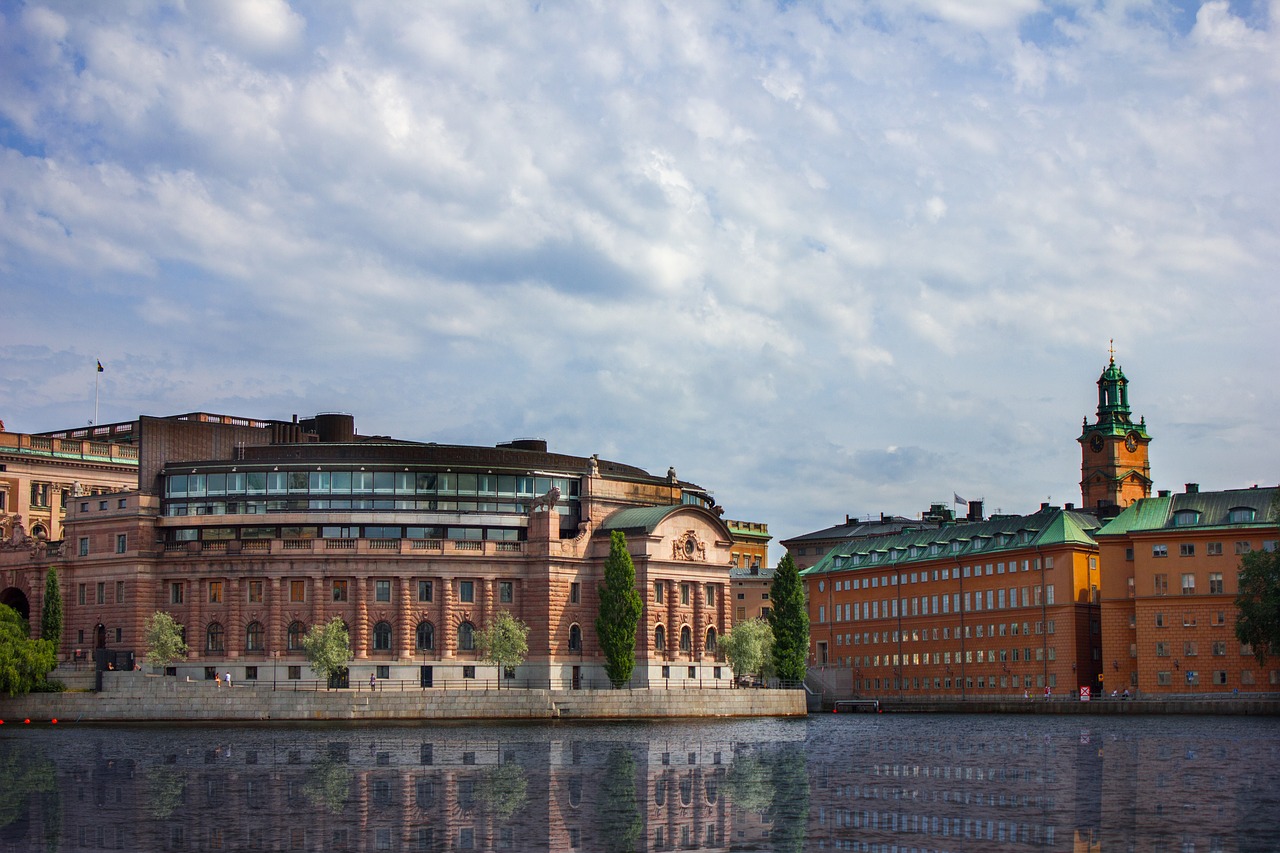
(250, 532)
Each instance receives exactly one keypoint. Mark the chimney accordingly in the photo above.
(1043, 506)
(1070, 507)
(1193, 488)
(1164, 493)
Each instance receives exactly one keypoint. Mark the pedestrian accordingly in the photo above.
(227, 677)
(373, 680)
(217, 679)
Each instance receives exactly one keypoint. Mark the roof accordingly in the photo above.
(884, 526)
(999, 534)
(747, 574)
(1197, 510)
(646, 518)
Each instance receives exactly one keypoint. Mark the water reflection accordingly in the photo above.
(876, 784)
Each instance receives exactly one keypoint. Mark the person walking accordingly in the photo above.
(227, 678)
(373, 681)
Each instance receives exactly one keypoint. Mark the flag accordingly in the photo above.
(958, 499)
(100, 367)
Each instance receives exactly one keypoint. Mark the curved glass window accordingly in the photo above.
(382, 637)
(659, 638)
(215, 638)
(296, 632)
(711, 640)
(575, 638)
(426, 636)
(1241, 514)
(686, 639)
(254, 637)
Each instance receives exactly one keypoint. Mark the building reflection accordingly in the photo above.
(835, 786)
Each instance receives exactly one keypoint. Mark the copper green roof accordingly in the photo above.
(997, 535)
(646, 518)
(1198, 510)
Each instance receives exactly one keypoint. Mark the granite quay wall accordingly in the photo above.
(137, 697)
(1220, 705)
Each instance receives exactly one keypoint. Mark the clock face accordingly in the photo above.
(1096, 443)
(1131, 441)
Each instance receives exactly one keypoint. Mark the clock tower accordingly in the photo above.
(1114, 470)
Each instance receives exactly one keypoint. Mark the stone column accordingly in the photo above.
(275, 631)
(234, 630)
(360, 630)
(673, 620)
(404, 611)
(446, 637)
(195, 631)
(698, 640)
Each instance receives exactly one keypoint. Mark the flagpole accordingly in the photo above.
(95, 397)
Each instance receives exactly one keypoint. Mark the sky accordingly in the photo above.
(825, 259)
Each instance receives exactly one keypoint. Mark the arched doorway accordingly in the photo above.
(100, 636)
(17, 599)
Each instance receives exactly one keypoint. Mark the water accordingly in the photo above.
(886, 784)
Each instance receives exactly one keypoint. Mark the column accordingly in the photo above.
(275, 630)
(234, 630)
(360, 630)
(404, 616)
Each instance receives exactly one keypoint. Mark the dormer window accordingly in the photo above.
(1241, 515)
(1186, 518)
(979, 544)
(955, 547)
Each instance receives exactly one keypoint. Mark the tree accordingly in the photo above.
(749, 647)
(1258, 603)
(620, 608)
(618, 813)
(789, 620)
(504, 642)
(24, 662)
(51, 613)
(164, 639)
(504, 789)
(328, 648)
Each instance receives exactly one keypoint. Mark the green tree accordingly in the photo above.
(749, 647)
(504, 642)
(328, 785)
(51, 612)
(166, 786)
(620, 608)
(789, 620)
(24, 662)
(503, 789)
(618, 814)
(328, 648)
(1258, 603)
(164, 639)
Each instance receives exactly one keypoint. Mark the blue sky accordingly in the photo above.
(823, 259)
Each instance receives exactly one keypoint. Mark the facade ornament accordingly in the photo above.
(547, 502)
(688, 546)
(593, 465)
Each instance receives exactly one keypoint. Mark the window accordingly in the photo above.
(1219, 648)
(295, 673)
(297, 590)
(122, 542)
(466, 637)
(102, 592)
(255, 592)
(506, 592)
(575, 638)
(1187, 549)
(1215, 583)
(214, 638)
(425, 592)
(426, 636)
(575, 592)
(686, 639)
(215, 592)
(711, 595)
(660, 638)
(659, 590)
(84, 546)
(1213, 549)
(254, 637)
(1159, 550)
(175, 593)
(382, 590)
(1162, 584)
(382, 637)
(1159, 620)
(1188, 583)
(467, 591)
(1162, 650)
(711, 641)
(1243, 547)
(296, 632)
(1240, 515)
(119, 592)
(684, 593)
(340, 590)
(1189, 648)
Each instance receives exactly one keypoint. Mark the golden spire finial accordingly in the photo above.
(1113, 350)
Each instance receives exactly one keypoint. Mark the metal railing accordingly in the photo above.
(386, 685)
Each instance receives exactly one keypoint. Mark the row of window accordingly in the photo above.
(100, 596)
(370, 531)
(921, 635)
(945, 574)
(1211, 549)
(686, 593)
(366, 482)
(980, 682)
(180, 509)
(255, 637)
(1190, 648)
(686, 639)
(892, 608)
(946, 658)
(1218, 618)
(122, 544)
(1220, 677)
(340, 590)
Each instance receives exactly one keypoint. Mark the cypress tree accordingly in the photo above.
(51, 613)
(620, 608)
(790, 622)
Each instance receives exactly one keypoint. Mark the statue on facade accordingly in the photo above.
(546, 502)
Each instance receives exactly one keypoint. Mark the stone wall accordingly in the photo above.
(136, 697)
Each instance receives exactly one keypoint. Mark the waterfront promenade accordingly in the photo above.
(138, 697)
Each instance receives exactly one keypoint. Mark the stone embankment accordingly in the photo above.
(1220, 705)
(137, 697)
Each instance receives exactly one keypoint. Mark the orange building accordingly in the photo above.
(1170, 576)
(1115, 469)
(995, 607)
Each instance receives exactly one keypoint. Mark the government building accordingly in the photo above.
(250, 532)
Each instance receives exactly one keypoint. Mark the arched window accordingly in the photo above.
(296, 632)
(575, 791)
(382, 637)
(214, 638)
(426, 636)
(686, 639)
(254, 637)
(660, 638)
(466, 637)
(660, 792)
(575, 638)
(686, 789)
(711, 641)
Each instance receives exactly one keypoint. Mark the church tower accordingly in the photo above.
(1115, 470)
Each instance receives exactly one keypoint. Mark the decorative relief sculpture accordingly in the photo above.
(688, 546)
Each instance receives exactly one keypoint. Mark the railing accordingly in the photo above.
(487, 547)
(454, 684)
(339, 544)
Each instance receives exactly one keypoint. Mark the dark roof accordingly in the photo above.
(886, 525)
(1049, 526)
(1210, 509)
(748, 574)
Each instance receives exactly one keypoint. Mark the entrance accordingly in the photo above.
(577, 678)
(426, 676)
(17, 599)
(100, 636)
